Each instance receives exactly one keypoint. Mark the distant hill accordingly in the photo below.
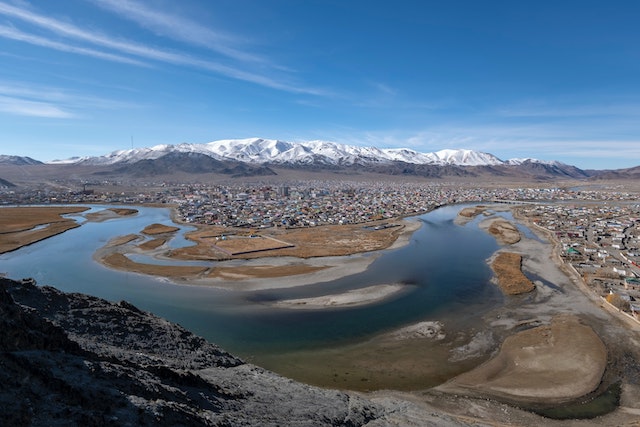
(542, 170)
(189, 162)
(5, 183)
(618, 174)
(18, 160)
(528, 170)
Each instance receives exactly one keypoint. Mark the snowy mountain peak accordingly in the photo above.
(272, 151)
(520, 161)
(467, 158)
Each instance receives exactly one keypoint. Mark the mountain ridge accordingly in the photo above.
(18, 160)
(267, 151)
(252, 157)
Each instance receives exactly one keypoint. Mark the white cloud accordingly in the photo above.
(68, 30)
(14, 34)
(384, 88)
(25, 98)
(23, 107)
(179, 28)
(610, 149)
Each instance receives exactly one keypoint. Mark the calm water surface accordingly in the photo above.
(444, 264)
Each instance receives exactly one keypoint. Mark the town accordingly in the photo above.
(600, 242)
(298, 204)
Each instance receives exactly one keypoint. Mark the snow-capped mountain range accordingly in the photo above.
(267, 151)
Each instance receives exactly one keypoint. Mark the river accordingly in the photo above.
(444, 266)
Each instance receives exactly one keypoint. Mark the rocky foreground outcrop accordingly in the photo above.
(73, 359)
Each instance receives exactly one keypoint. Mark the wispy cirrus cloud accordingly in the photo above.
(71, 31)
(14, 34)
(574, 110)
(180, 28)
(24, 107)
(139, 51)
(28, 99)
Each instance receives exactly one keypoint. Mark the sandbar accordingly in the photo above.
(120, 261)
(469, 213)
(152, 244)
(121, 240)
(507, 267)
(356, 297)
(109, 213)
(505, 232)
(309, 242)
(155, 229)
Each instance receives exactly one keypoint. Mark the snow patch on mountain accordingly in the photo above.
(466, 158)
(520, 161)
(259, 151)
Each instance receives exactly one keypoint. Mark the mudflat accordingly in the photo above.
(552, 363)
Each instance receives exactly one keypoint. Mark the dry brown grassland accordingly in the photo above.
(21, 226)
(508, 269)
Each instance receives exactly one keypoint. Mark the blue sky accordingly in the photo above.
(544, 79)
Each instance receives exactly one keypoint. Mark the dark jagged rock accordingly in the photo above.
(72, 359)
